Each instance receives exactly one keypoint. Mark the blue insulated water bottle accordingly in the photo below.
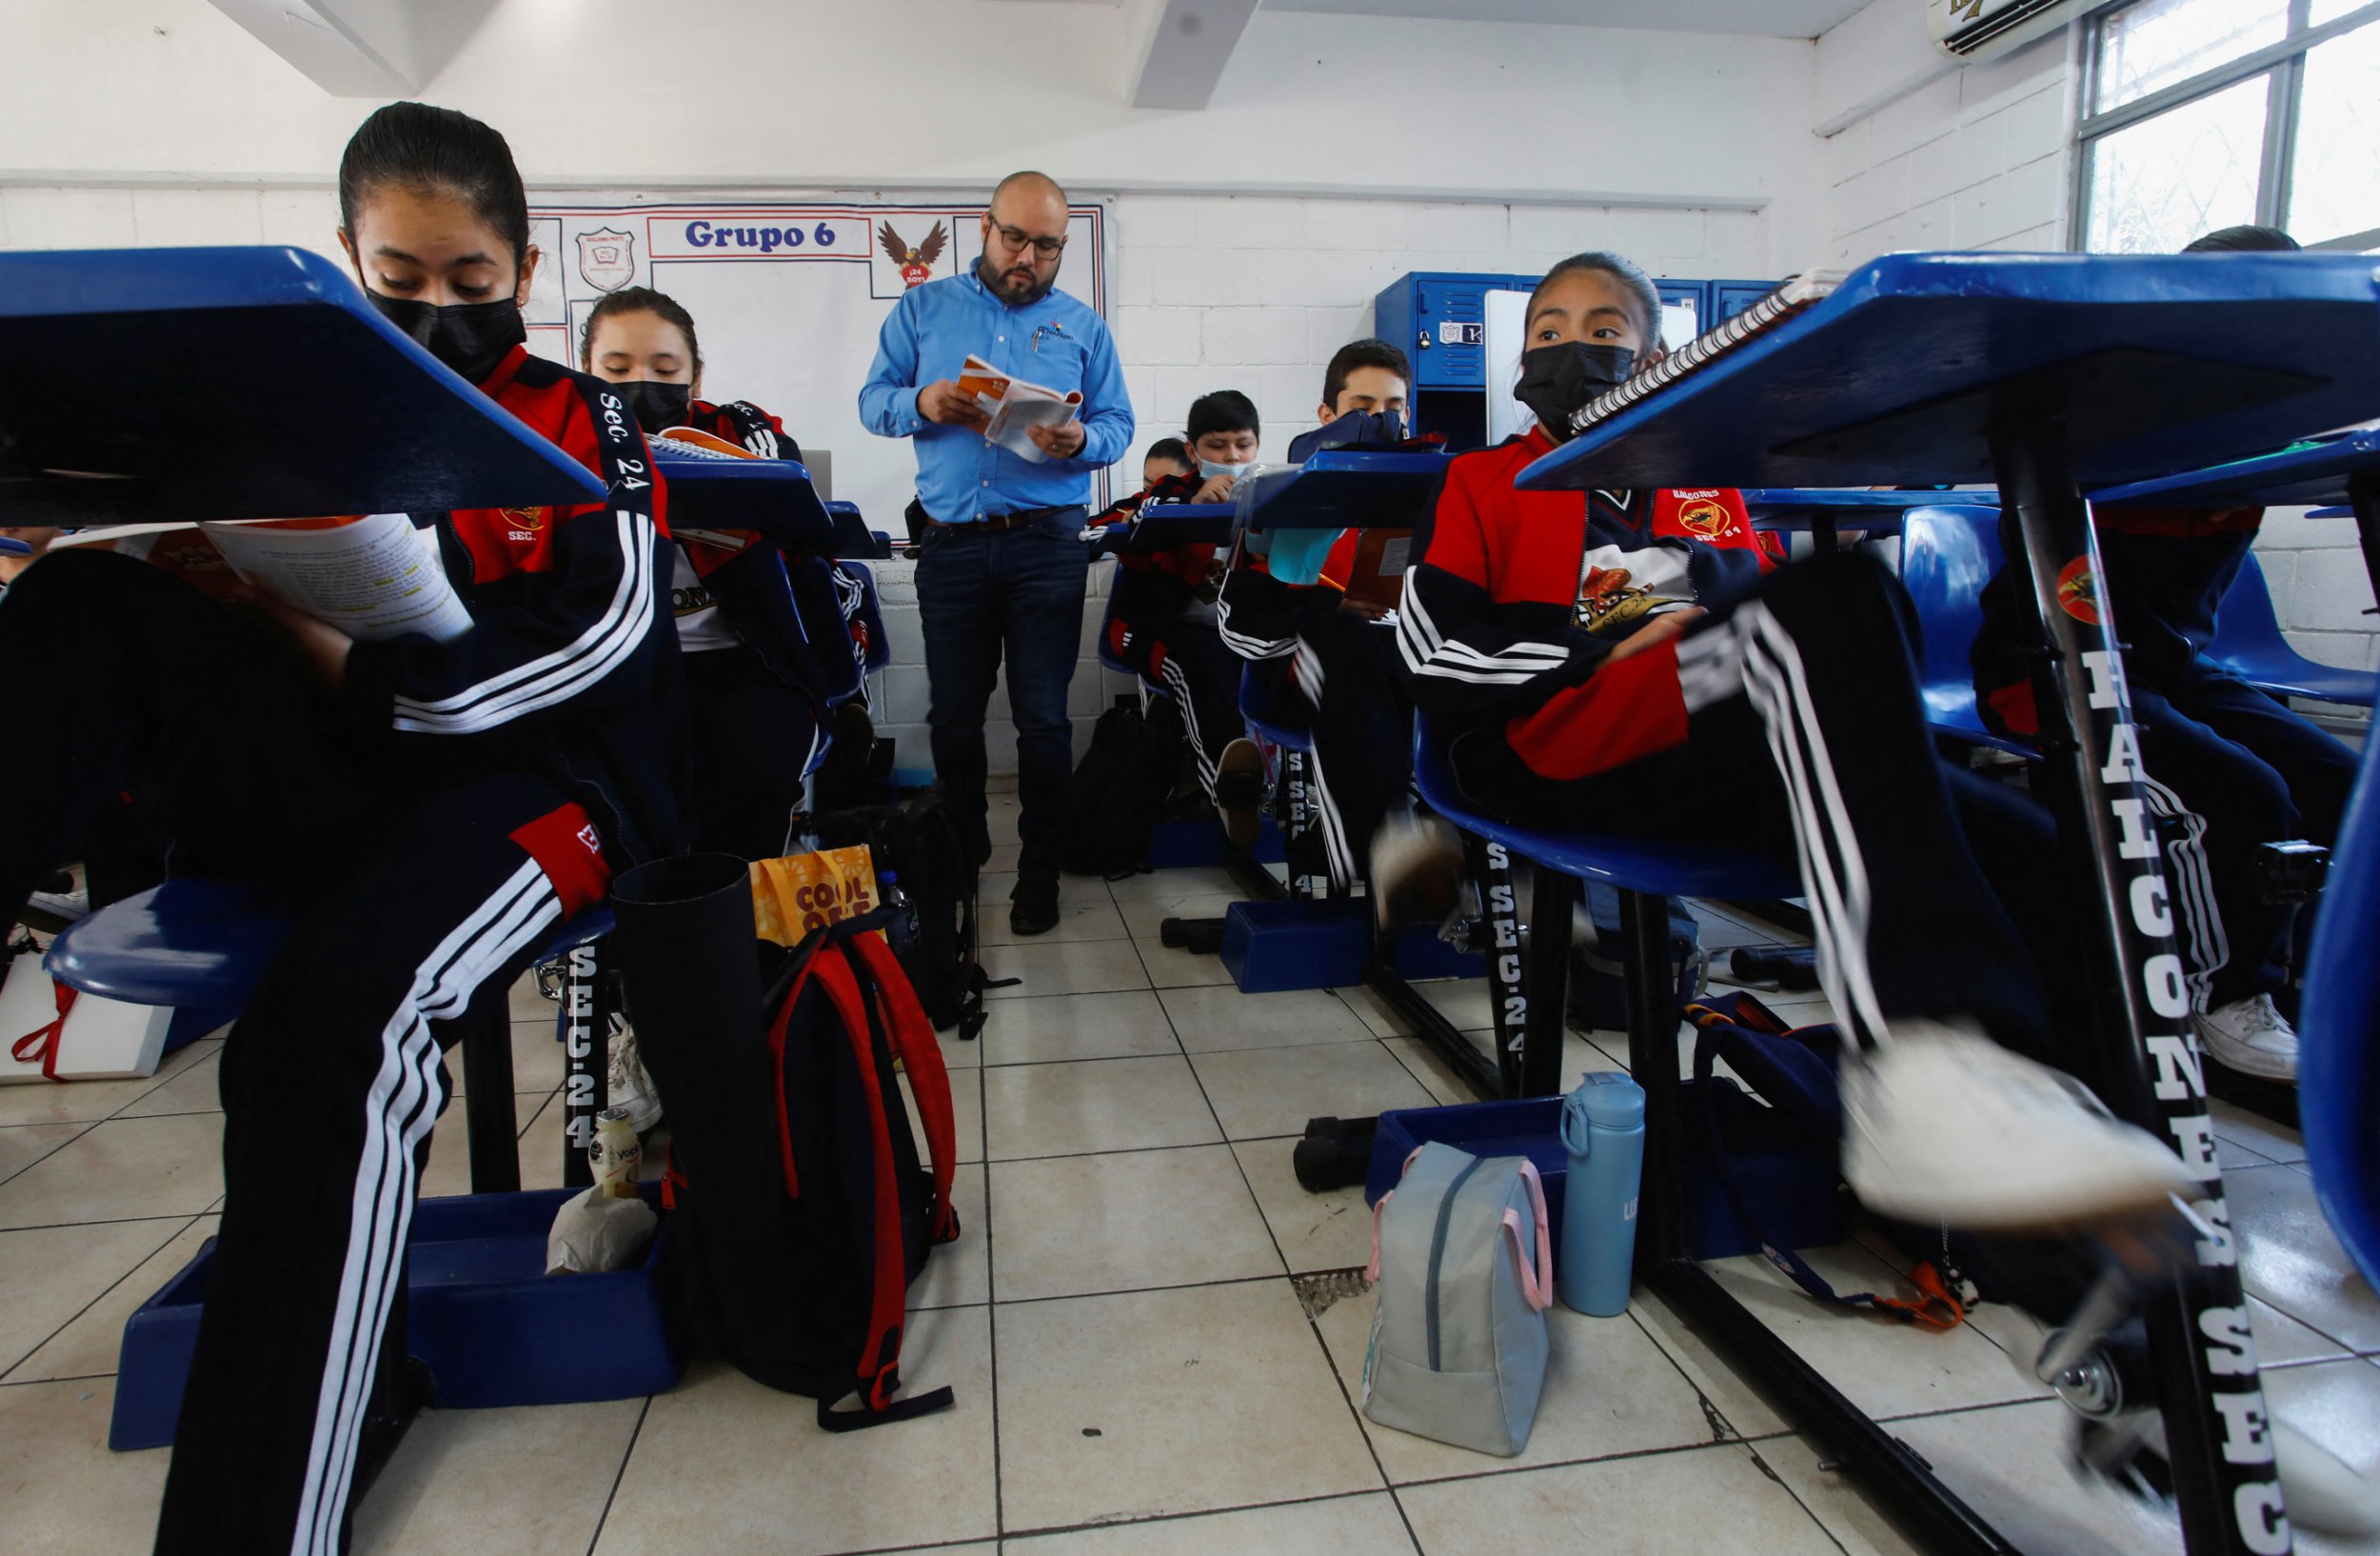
(1603, 1130)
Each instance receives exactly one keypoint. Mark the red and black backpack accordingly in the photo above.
(803, 1207)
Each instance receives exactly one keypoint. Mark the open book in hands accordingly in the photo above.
(372, 575)
(1016, 406)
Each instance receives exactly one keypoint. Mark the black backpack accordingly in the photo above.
(799, 1207)
(922, 842)
(1120, 791)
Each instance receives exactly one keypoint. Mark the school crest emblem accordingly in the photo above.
(916, 265)
(530, 519)
(1706, 518)
(606, 259)
(2078, 591)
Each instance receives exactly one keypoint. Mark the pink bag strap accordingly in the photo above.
(1536, 1279)
(1372, 1270)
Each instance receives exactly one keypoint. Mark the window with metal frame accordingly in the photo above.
(2198, 114)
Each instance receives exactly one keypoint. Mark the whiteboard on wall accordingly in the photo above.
(787, 299)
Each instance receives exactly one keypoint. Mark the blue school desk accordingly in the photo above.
(771, 497)
(2338, 475)
(1344, 488)
(854, 541)
(1163, 526)
(240, 384)
(2051, 375)
(1822, 510)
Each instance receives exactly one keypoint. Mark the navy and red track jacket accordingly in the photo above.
(1490, 622)
(2167, 569)
(741, 422)
(570, 666)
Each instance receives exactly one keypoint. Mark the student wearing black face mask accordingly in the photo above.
(768, 632)
(424, 813)
(1617, 662)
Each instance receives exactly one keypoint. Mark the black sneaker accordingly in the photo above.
(1033, 906)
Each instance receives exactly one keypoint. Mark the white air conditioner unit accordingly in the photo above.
(1979, 30)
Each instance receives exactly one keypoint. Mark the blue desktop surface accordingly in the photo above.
(1342, 489)
(2158, 363)
(158, 384)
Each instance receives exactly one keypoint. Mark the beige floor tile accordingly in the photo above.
(64, 1493)
(1215, 1020)
(1098, 1105)
(1004, 856)
(525, 1002)
(1153, 1403)
(1465, 1002)
(2281, 1341)
(450, 1146)
(1082, 967)
(1608, 1390)
(1125, 1023)
(1271, 1091)
(197, 1090)
(49, 1275)
(1886, 1368)
(1080, 916)
(123, 1169)
(1358, 1526)
(1070, 1225)
(1436, 1076)
(966, 1115)
(1170, 966)
(1374, 1011)
(727, 1468)
(528, 1482)
(1330, 1230)
(2274, 1142)
(958, 1274)
(22, 1145)
(2290, 1257)
(1742, 1407)
(90, 1346)
(1724, 932)
(1145, 916)
(1204, 881)
(86, 1101)
(1712, 1499)
(2337, 1405)
(2010, 1464)
(958, 1052)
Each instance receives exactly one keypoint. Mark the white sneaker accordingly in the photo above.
(2252, 1037)
(628, 1088)
(1418, 871)
(1946, 1126)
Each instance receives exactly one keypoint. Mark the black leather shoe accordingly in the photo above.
(1033, 908)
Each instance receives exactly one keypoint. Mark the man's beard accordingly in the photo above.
(998, 283)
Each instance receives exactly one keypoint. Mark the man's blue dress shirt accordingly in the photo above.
(1057, 342)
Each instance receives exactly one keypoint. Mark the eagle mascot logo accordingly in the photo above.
(916, 265)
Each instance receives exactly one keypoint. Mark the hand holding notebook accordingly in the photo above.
(1015, 407)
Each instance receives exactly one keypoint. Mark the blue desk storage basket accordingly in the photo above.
(482, 1313)
(1792, 1189)
(1269, 946)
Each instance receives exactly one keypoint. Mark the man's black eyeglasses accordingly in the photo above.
(1017, 239)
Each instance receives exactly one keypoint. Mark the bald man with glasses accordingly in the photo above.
(1002, 568)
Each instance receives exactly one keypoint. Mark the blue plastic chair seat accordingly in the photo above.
(1659, 868)
(1948, 553)
(2248, 643)
(1258, 705)
(202, 945)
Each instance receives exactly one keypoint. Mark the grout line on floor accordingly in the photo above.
(1046, 1532)
(81, 1130)
(603, 1515)
(6, 1376)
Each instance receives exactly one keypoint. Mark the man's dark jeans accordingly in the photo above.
(1019, 593)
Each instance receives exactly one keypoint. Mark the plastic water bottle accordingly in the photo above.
(903, 932)
(1603, 1131)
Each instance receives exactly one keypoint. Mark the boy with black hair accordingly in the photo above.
(1334, 649)
(1162, 622)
